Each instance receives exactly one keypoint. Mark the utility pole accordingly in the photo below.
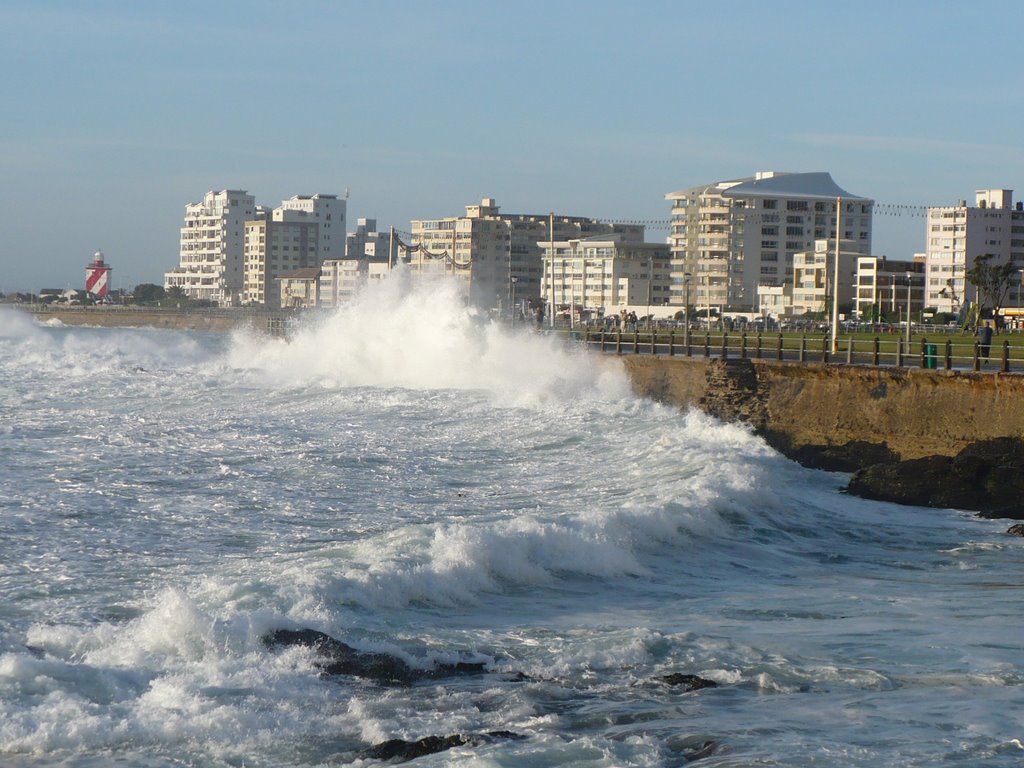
(834, 325)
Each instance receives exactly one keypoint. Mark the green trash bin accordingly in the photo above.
(931, 356)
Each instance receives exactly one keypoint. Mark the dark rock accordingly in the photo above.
(987, 477)
(849, 457)
(401, 750)
(338, 658)
(689, 682)
(409, 750)
(1016, 529)
(706, 749)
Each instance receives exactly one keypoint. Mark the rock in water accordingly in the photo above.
(689, 682)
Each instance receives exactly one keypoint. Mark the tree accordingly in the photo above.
(992, 282)
(148, 293)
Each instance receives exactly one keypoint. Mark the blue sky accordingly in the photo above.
(117, 114)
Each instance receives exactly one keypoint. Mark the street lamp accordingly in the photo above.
(908, 311)
(514, 280)
(686, 308)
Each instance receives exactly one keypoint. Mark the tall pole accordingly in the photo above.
(686, 308)
(834, 325)
(908, 312)
(551, 245)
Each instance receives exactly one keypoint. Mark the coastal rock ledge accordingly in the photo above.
(986, 477)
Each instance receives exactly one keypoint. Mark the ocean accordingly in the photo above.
(413, 480)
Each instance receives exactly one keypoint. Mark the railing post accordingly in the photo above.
(824, 349)
(977, 357)
(672, 342)
(780, 347)
(803, 349)
(602, 339)
(849, 350)
(899, 353)
(707, 344)
(876, 353)
(758, 353)
(654, 342)
(1006, 356)
(618, 341)
(743, 346)
(949, 354)
(725, 345)
(924, 353)
(689, 344)
(636, 342)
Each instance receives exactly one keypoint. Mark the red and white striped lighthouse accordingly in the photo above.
(97, 277)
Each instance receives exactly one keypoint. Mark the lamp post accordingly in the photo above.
(833, 326)
(686, 308)
(909, 275)
(514, 280)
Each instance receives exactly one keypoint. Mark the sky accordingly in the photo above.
(119, 113)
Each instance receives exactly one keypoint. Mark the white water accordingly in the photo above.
(408, 478)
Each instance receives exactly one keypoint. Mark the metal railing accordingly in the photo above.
(937, 354)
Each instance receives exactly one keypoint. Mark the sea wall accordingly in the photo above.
(915, 412)
(218, 320)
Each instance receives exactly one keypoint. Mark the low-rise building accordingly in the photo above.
(885, 287)
(299, 288)
(604, 273)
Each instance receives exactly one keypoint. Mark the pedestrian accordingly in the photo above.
(985, 339)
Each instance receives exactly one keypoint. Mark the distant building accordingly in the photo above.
(299, 288)
(605, 273)
(340, 280)
(813, 276)
(212, 244)
(367, 244)
(735, 235)
(959, 233)
(882, 286)
(486, 249)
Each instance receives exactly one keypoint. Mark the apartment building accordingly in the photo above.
(298, 288)
(731, 236)
(367, 244)
(290, 237)
(492, 251)
(340, 280)
(814, 276)
(885, 287)
(602, 274)
(958, 234)
(212, 247)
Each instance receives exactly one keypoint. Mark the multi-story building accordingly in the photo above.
(298, 288)
(290, 237)
(493, 251)
(883, 285)
(958, 234)
(601, 274)
(327, 211)
(813, 276)
(340, 280)
(212, 246)
(732, 236)
(367, 244)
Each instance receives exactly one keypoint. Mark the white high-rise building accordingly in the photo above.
(959, 233)
(729, 237)
(212, 244)
(290, 237)
(496, 253)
